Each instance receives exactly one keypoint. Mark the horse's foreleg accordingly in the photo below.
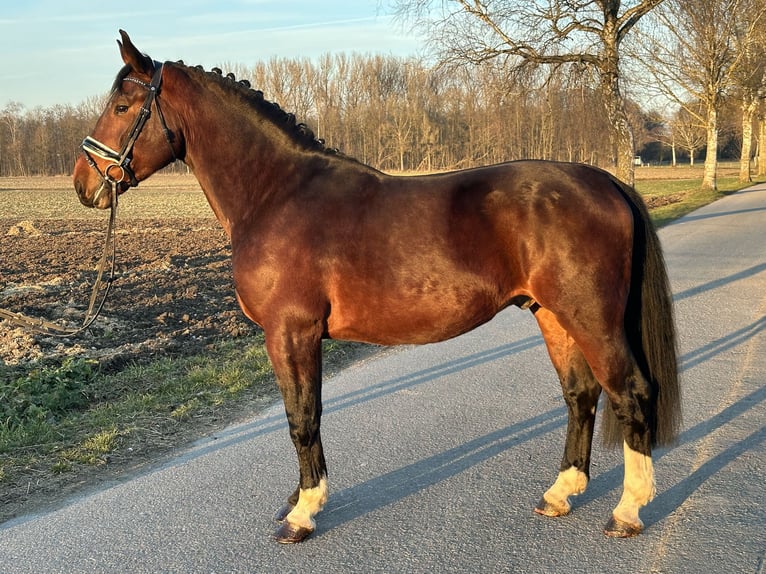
(581, 392)
(297, 360)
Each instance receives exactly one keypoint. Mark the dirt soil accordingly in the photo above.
(173, 292)
(173, 296)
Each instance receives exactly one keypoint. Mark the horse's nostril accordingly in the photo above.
(82, 194)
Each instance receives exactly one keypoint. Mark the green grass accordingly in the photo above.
(687, 195)
(58, 418)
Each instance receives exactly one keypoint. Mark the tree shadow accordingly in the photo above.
(358, 500)
(717, 214)
(670, 500)
(278, 422)
(713, 348)
(716, 283)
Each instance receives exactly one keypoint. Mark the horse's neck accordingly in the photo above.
(240, 159)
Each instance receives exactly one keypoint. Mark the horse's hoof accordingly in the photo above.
(290, 534)
(616, 528)
(545, 508)
(282, 513)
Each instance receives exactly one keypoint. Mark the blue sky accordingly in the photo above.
(64, 51)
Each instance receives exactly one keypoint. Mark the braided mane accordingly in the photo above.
(299, 132)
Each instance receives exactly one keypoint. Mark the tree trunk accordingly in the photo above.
(748, 112)
(621, 133)
(709, 180)
(762, 145)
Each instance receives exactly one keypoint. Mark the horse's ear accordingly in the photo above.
(140, 63)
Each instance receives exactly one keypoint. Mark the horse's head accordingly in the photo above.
(131, 139)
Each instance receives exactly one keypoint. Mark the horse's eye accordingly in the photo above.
(120, 110)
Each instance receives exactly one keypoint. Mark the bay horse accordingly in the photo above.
(324, 246)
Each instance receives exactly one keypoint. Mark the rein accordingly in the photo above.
(43, 327)
(120, 160)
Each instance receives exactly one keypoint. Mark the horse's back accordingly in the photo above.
(433, 257)
(419, 259)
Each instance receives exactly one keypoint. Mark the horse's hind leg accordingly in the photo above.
(581, 392)
(632, 402)
(296, 358)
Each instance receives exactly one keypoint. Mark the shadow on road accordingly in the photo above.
(715, 284)
(278, 422)
(722, 213)
(713, 348)
(670, 500)
(358, 500)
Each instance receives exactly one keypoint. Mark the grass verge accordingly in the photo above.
(63, 421)
(672, 199)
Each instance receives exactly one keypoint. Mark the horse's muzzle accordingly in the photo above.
(98, 196)
(93, 190)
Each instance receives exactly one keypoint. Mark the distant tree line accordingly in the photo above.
(44, 141)
(412, 114)
(392, 113)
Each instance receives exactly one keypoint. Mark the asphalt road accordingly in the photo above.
(437, 455)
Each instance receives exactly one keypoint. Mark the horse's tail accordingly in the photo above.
(650, 330)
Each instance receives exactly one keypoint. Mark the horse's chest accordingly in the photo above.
(270, 281)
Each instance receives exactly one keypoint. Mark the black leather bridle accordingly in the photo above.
(121, 160)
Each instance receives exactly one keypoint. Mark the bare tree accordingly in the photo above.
(538, 32)
(11, 117)
(662, 131)
(390, 112)
(749, 76)
(688, 129)
(693, 55)
(762, 140)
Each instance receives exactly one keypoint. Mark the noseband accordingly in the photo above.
(121, 160)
